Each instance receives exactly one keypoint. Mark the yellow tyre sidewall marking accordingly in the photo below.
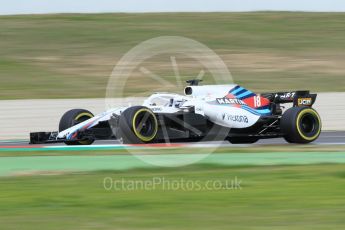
(82, 115)
(141, 137)
(78, 117)
(305, 111)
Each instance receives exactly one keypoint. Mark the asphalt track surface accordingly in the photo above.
(326, 137)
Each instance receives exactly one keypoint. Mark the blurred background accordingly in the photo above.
(72, 55)
(58, 55)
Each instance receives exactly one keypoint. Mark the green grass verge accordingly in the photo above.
(272, 197)
(66, 164)
(72, 55)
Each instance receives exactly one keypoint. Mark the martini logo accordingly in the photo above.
(230, 101)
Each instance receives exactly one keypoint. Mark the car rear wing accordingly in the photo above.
(298, 98)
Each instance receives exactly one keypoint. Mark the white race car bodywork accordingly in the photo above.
(210, 101)
(210, 112)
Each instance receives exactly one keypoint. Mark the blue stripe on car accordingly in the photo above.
(242, 95)
(237, 90)
(258, 112)
(233, 89)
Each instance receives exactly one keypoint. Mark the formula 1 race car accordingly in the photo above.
(207, 112)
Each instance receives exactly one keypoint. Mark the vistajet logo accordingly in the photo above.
(235, 118)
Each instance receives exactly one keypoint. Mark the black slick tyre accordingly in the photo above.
(300, 125)
(73, 117)
(138, 125)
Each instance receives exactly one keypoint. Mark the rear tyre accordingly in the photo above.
(137, 125)
(300, 125)
(74, 117)
(242, 140)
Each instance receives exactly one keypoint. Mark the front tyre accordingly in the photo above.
(300, 125)
(72, 118)
(137, 125)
